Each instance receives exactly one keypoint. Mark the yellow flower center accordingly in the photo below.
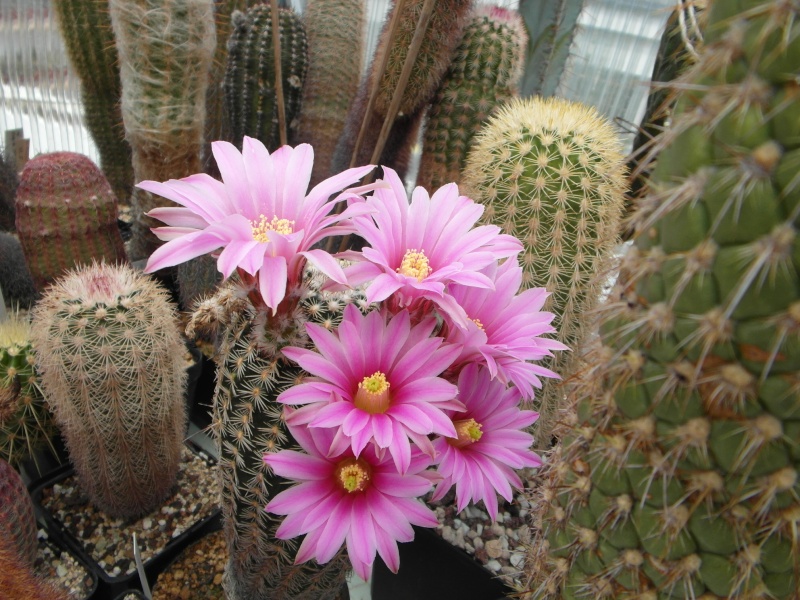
(353, 474)
(468, 431)
(262, 228)
(415, 264)
(478, 323)
(372, 395)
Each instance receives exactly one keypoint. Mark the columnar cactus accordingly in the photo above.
(15, 277)
(17, 521)
(8, 191)
(250, 90)
(165, 51)
(66, 216)
(678, 471)
(485, 72)
(86, 28)
(551, 173)
(113, 368)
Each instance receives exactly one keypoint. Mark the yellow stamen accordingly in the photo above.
(415, 264)
(468, 432)
(353, 474)
(262, 228)
(478, 323)
(372, 395)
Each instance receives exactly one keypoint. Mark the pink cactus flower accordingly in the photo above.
(490, 444)
(359, 501)
(259, 215)
(417, 249)
(376, 382)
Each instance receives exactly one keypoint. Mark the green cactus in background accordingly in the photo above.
(113, 368)
(166, 48)
(551, 173)
(16, 281)
(66, 216)
(335, 47)
(8, 191)
(485, 72)
(678, 471)
(26, 424)
(250, 91)
(86, 29)
(17, 521)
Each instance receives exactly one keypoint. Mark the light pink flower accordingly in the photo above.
(505, 328)
(416, 249)
(490, 444)
(376, 382)
(259, 214)
(362, 501)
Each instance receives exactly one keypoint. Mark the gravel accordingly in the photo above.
(197, 573)
(60, 568)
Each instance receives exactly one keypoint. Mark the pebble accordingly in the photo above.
(493, 565)
(61, 571)
(517, 560)
(493, 548)
(147, 523)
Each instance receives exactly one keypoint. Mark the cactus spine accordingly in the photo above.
(86, 28)
(66, 216)
(112, 366)
(165, 50)
(485, 72)
(250, 96)
(18, 581)
(551, 172)
(17, 521)
(678, 473)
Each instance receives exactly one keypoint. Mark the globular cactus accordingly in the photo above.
(112, 366)
(66, 216)
(251, 99)
(551, 173)
(335, 47)
(165, 51)
(484, 73)
(677, 476)
(8, 191)
(86, 29)
(17, 521)
(25, 420)
(15, 277)
(18, 581)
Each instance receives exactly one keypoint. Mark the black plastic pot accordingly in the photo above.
(433, 569)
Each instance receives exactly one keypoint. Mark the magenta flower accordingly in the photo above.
(260, 215)
(490, 444)
(376, 382)
(505, 328)
(417, 249)
(361, 501)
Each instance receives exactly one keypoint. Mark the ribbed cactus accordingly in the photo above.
(250, 91)
(15, 277)
(678, 473)
(112, 366)
(165, 51)
(197, 278)
(335, 31)
(485, 72)
(17, 521)
(25, 421)
(66, 216)
(86, 29)
(248, 423)
(551, 173)
(8, 191)
(18, 581)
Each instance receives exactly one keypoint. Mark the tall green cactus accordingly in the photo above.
(551, 173)
(250, 91)
(165, 51)
(678, 472)
(86, 28)
(485, 72)
(113, 367)
(66, 216)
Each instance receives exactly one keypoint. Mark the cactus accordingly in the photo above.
(250, 96)
(17, 521)
(112, 366)
(165, 50)
(678, 471)
(25, 421)
(66, 216)
(8, 191)
(15, 277)
(18, 581)
(197, 278)
(335, 40)
(485, 72)
(551, 172)
(86, 29)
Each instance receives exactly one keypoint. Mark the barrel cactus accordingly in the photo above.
(18, 581)
(678, 472)
(17, 520)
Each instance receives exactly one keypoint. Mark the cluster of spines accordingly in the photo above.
(17, 520)
(18, 580)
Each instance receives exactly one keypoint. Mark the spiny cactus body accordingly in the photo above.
(113, 369)
(550, 172)
(678, 471)
(8, 191)
(485, 72)
(66, 216)
(15, 277)
(17, 520)
(18, 581)
(250, 91)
